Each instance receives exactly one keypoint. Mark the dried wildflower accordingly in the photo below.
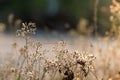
(2, 27)
(34, 62)
(26, 29)
(14, 45)
(23, 50)
(115, 19)
(30, 74)
(62, 43)
(12, 69)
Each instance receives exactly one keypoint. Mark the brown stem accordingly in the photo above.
(95, 16)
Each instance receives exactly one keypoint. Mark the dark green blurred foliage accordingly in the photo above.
(41, 10)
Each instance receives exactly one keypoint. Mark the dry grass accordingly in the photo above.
(83, 59)
(35, 62)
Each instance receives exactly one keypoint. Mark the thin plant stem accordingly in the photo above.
(95, 16)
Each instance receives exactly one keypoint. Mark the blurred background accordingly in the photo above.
(72, 17)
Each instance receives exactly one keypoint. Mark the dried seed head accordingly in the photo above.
(26, 29)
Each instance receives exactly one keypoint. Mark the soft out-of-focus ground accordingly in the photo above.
(106, 51)
(6, 42)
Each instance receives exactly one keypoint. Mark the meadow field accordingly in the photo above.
(25, 57)
(59, 47)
